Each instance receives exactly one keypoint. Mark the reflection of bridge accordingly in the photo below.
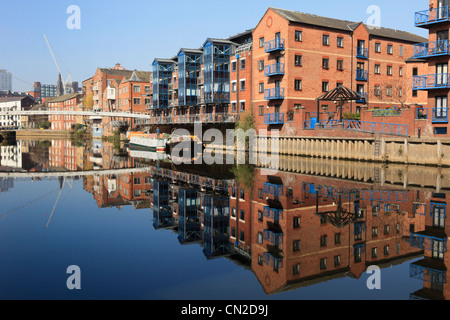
(144, 118)
(68, 174)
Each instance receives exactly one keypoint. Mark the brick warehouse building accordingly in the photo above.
(284, 64)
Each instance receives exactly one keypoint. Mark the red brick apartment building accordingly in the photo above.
(68, 102)
(305, 56)
(435, 78)
(118, 89)
(279, 69)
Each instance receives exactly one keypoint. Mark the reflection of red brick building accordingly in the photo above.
(289, 45)
(69, 102)
(298, 237)
(63, 155)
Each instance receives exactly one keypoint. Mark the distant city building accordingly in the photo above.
(5, 80)
(14, 104)
(11, 156)
(6, 184)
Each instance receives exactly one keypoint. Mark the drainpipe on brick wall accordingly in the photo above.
(352, 70)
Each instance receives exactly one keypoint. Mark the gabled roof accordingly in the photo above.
(65, 97)
(194, 51)
(219, 41)
(138, 76)
(344, 25)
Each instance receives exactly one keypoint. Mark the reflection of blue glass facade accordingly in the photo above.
(189, 68)
(162, 77)
(162, 213)
(216, 223)
(216, 58)
(189, 227)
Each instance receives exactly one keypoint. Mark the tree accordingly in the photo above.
(396, 92)
(88, 102)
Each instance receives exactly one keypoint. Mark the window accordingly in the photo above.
(137, 180)
(243, 106)
(243, 64)
(378, 47)
(415, 71)
(389, 91)
(400, 71)
(260, 216)
(233, 86)
(260, 260)
(326, 40)
(337, 238)
(233, 107)
(261, 65)
(323, 241)
(137, 88)
(325, 63)
(233, 232)
(296, 269)
(296, 246)
(377, 91)
(296, 222)
(323, 263)
(290, 116)
(242, 236)
(298, 84)
(137, 101)
(374, 253)
(298, 36)
(234, 66)
(340, 42)
(242, 215)
(386, 250)
(390, 49)
(375, 232)
(298, 60)
(389, 70)
(242, 85)
(259, 238)
(340, 65)
(337, 261)
(401, 51)
(325, 86)
(377, 69)
(261, 113)
(387, 228)
(261, 42)
(233, 212)
(242, 194)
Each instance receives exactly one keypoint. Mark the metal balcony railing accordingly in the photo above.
(274, 94)
(274, 45)
(431, 49)
(431, 81)
(274, 118)
(362, 53)
(361, 75)
(431, 16)
(274, 69)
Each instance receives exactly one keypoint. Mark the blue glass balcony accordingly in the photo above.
(274, 118)
(431, 81)
(274, 69)
(274, 94)
(439, 115)
(363, 96)
(362, 53)
(273, 214)
(361, 75)
(273, 189)
(272, 261)
(274, 45)
(425, 18)
(431, 49)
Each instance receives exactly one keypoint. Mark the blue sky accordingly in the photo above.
(134, 32)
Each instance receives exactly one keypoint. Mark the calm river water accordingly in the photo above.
(136, 226)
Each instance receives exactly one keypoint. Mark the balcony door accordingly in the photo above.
(442, 41)
(441, 107)
(442, 9)
(441, 74)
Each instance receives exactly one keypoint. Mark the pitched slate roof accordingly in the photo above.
(65, 97)
(344, 25)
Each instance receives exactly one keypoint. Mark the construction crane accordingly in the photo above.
(57, 200)
(24, 81)
(69, 78)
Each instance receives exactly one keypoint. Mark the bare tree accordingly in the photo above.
(396, 91)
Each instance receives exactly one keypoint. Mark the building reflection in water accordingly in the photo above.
(310, 221)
